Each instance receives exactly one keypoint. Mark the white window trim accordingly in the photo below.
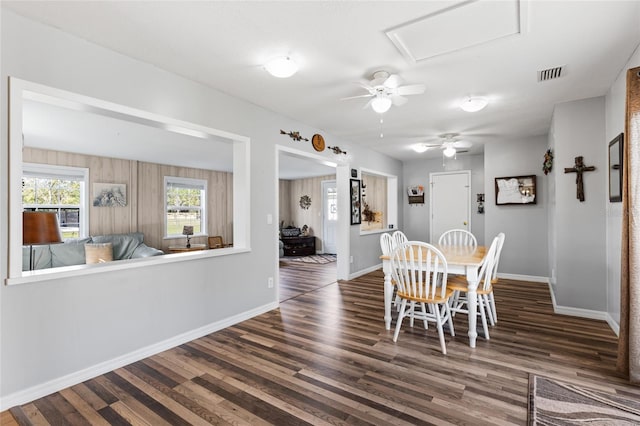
(392, 200)
(203, 204)
(65, 171)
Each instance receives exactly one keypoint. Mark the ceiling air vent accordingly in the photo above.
(550, 73)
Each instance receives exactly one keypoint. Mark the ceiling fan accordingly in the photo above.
(449, 145)
(385, 90)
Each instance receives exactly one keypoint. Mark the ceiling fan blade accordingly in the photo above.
(368, 103)
(365, 86)
(377, 82)
(356, 97)
(398, 100)
(462, 144)
(413, 89)
(393, 81)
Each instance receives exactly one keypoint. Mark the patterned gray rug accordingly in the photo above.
(316, 258)
(552, 402)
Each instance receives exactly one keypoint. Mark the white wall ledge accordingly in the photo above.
(119, 265)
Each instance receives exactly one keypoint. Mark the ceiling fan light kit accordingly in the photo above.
(474, 104)
(449, 152)
(281, 67)
(381, 104)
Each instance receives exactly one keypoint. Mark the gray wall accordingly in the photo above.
(579, 233)
(416, 172)
(525, 247)
(52, 331)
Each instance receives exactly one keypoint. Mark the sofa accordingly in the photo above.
(72, 251)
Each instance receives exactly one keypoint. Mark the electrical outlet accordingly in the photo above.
(270, 282)
(350, 259)
(269, 219)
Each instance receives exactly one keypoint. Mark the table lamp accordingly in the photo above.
(39, 228)
(188, 231)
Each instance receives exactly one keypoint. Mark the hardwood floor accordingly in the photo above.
(298, 278)
(324, 357)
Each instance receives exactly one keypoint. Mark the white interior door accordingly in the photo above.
(329, 216)
(450, 205)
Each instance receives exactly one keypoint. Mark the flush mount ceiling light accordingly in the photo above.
(474, 104)
(420, 148)
(381, 103)
(281, 67)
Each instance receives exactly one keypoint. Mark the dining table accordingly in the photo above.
(461, 260)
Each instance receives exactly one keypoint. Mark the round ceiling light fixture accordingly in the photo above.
(381, 103)
(474, 104)
(281, 67)
(449, 151)
(420, 148)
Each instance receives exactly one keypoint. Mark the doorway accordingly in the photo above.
(302, 175)
(450, 202)
(329, 216)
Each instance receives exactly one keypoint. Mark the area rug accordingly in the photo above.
(315, 258)
(553, 402)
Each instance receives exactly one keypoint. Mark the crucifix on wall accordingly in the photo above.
(578, 169)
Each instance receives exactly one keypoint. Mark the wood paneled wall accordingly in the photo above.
(151, 196)
(144, 211)
(312, 217)
(285, 202)
(376, 194)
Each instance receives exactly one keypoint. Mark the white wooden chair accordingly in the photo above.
(458, 237)
(494, 275)
(387, 244)
(399, 238)
(459, 285)
(420, 272)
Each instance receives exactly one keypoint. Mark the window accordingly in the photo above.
(58, 189)
(185, 201)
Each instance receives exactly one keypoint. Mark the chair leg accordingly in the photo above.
(403, 306)
(454, 301)
(449, 318)
(411, 311)
(424, 314)
(440, 331)
(487, 306)
(493, 307)
(484, 317)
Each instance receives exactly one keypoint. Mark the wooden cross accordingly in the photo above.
(578, 169)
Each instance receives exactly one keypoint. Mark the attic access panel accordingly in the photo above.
(457, 27)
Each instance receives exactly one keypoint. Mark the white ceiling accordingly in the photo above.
(224, 45)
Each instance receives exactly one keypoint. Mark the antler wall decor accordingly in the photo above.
(337, 150)
(294, 135)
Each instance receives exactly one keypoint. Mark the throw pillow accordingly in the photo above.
(99, 253)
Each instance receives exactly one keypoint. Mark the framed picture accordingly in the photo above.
(615, 168)
(354, 173)
(356, 205)
(516, 190)
(109, 195)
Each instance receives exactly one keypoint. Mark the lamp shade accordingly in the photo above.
(449, 151)
(40, 228)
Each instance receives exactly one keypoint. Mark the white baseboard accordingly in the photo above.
(47, 388)
(613, 324)
(578, 312)
(365, 271)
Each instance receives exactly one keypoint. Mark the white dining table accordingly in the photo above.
(461, 260)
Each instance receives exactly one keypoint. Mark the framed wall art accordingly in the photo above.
(109, 195)
(516, 190)
(356, 202)
(616, 164)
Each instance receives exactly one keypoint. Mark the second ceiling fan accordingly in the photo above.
(385, 90)
(449, 145)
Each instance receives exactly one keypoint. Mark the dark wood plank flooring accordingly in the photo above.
(297, 278)
(324, 357)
